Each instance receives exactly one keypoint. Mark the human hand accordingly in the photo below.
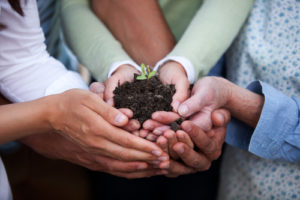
(209, 144)
(122, 74)
(92, 125)
(208, 94)
(173, 73)
(55, 146)
(132, 125)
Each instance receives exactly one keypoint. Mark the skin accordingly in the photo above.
(137, 39)
(145, 36)
(34, 121)
(211, 93)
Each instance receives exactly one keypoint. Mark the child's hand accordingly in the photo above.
(173, 73)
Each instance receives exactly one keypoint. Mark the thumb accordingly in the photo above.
(220, 117)
(97, 88)
(192, 105)
(182, 93)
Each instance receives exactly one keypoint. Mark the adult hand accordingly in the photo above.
(121, 75)
(86, 120)
(173, 73)
(208, 94)
(132, 125)
(209, 144)
(55, 146)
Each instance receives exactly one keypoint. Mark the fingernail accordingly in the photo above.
(183, 110)
(221, 118)
(97, 88)
(163, 158)
(142, 166)
(175, 105)
(156, 152)
(120, 118)
(187, 127)
(157, 132)
(156, 116)
(181, 136)
(180, 150)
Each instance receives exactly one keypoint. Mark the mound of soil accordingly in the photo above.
(144, 97)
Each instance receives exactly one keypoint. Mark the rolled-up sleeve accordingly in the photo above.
(277, 134)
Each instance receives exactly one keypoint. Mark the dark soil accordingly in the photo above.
(144, 97)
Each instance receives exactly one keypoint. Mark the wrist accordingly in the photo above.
(50, 111)
(125, 67)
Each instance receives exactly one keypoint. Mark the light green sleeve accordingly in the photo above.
(211, 32)
(89, 39)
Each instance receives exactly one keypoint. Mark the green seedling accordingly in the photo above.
(144, 75)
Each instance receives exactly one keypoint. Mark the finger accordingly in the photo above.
(199, 137)
(162, 142)
(182, 92)
(184, 138)
(191, 158)
(177, 169)
(120, 166)
(165, 117)
(127, 112)
(192, 105)
(108, 113)
(98, 88)
(121, 137)
(143, 133)
(202, 120)
(110, 85)
(136, 133)
(220, 117)
(143, 174)
(132, 125)
(109, 149)
(151, 137)
(151, 124)
(170, 135)
(160, 130)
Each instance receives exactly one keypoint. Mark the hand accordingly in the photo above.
(173, 73)
(132, 125)
(122, 74)
(85, 119)
(209, 144)
(55, 146)
(208, 94)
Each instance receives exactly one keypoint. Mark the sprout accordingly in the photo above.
(145, 75)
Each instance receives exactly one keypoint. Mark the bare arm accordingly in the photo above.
(141, 28)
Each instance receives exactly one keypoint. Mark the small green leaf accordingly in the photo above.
(148, 69)
(151, 74)
(141, 77)
(143, 68)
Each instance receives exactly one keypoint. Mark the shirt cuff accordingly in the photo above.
(116, 65)
(186, 64)
(276, 126)
(69, 80)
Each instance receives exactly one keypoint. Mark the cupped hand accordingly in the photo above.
(121, 75)
(85, 119)
(55, 146)
(208, 94)
(173, 73)
(209, 144)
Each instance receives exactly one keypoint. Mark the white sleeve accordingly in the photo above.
(27, 71)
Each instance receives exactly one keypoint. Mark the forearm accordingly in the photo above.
(243, 104)
(211, 32)
(23, 119)
(93, 44)
(141, 28)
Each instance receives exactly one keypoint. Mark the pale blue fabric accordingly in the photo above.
(277, 134)
(266, 165)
